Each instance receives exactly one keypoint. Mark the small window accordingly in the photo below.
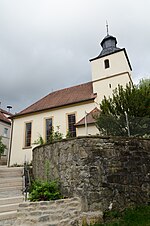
(5, 132)
(106, 62)
(109, 85)
(71, 125)
(48, 128)
(28, 128)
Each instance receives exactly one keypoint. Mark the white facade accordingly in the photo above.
(118, 65)
(90, 130)
(59, 117)
(104, 81)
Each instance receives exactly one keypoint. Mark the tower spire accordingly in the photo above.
(107, 28)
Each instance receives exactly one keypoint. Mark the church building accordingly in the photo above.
(71, 109)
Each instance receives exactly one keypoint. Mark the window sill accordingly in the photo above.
(29, 147)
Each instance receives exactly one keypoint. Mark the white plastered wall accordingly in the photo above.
(106, 80)
(105, 87)
(18, 153)
(118, 64)
(91, 130)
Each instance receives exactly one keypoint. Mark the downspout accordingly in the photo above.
(9, 154)
(86, 128)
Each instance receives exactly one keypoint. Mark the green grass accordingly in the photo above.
(138, 216)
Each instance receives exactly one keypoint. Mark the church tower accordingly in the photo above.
(110, 68)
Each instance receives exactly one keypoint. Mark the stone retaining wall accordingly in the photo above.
(103, 172)
(64, 212)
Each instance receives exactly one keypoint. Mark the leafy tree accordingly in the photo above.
(130, 104)
(2, 147)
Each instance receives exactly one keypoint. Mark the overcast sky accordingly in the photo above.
(46, 45)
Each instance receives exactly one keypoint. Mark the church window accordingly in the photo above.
(5, 132)
(28, 128)
(106, 63)
(71, 125)
(109, 85)
(49, 127)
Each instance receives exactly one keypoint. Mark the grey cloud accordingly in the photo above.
(46, 45)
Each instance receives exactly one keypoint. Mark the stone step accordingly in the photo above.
(10, 175)
(5, 168)
(11, 172)
(3, 160)
(8, 215)
(9, 222)
(10, 182)
(10, 193)
(19, 187)
(9, 207)
(11, 200)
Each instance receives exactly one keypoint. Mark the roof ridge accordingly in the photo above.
(71, 87)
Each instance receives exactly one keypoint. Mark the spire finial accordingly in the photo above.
(107, 28)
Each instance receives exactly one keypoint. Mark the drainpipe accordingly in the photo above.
(9, 153)
(86, 128)
(127, 121)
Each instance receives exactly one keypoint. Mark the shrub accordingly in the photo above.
(55, 136)
(135, 216)
(44, 191)
(2, 147)
(39, 141)
(68, 135)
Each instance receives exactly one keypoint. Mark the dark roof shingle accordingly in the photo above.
(72, 95)
(3, 116)
(90, 117)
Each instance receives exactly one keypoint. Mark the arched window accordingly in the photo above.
(106, 63)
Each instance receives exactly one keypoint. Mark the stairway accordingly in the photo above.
(3, 160)
(10, 193)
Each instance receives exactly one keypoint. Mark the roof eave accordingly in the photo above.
(9, 123)
(41, 110)
(83, 124)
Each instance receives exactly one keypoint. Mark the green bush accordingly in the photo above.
(136, 216)
(55, 136)
(44, 191)
(2, 147)
(39, 141)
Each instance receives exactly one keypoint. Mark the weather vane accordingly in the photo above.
(107, 28)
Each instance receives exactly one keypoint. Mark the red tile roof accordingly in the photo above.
(89, 117)
(63, 97)
(3, 116)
